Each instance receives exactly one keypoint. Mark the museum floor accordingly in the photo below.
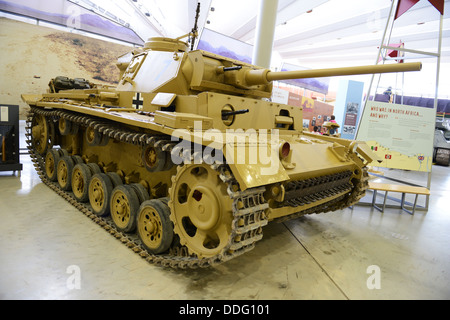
(328, 256)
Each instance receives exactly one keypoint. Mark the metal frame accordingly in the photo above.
(12, 121)
(402, 202)
(381, 53)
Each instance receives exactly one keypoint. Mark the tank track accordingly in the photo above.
(306, 191)
(248, 206)
(344, 201)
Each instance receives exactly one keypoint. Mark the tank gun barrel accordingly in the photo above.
(264, 76)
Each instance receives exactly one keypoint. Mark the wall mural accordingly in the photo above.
(225, 46)
(314, 84)
(31, 56)
(68, 14)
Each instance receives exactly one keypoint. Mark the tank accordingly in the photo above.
(441, 147)
(187, 159)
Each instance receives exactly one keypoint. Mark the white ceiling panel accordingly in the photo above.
(340, 32)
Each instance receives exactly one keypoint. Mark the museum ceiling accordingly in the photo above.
(309, 33)
(314, 33)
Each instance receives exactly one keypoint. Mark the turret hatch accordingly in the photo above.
(149, 71)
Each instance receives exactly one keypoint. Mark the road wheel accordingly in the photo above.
(124, 206)
(100, 190)
(64, 172)
(154, 226)
(81, 177)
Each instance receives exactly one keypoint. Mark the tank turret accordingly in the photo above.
(166, 66)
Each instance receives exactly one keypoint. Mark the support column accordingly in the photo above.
(265, 31)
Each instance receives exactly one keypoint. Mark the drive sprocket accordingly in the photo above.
(201, 210)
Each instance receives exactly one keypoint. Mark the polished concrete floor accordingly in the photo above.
(49, 250)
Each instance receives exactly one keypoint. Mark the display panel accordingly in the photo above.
(402, 136)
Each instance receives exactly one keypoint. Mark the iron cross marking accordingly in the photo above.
(138, 101)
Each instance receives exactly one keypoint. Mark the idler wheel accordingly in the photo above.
(154, 227)
(100, 190)
(40, 134)
(201, 210)
(81, 176)
(64, 172)
(124, 206)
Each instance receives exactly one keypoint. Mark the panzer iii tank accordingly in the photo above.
(187, 159)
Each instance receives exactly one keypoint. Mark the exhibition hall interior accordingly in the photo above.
(258, 150)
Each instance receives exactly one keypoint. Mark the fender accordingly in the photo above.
(255, 164)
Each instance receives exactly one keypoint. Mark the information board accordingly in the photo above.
(401, 135)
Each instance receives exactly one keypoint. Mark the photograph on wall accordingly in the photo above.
(306, 124)
(351, 117)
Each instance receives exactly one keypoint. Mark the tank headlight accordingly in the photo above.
(285, 148)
